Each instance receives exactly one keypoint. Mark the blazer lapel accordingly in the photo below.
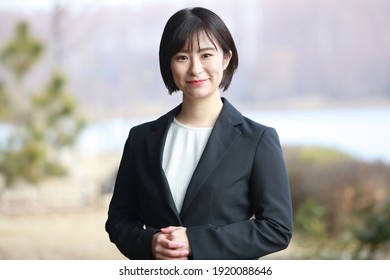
(155, 142)
(221, 139)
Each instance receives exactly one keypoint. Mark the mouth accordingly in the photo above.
(197, 82)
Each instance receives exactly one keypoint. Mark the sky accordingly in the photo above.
(47, 4)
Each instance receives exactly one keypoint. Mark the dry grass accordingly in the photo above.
(65, 236)
(58, 236)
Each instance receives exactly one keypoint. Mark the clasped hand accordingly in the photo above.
(171, 243)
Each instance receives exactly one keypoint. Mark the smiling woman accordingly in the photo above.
(198, 72)
(202, 181)
(206, 32)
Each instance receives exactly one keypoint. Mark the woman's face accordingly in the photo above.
(198, 72)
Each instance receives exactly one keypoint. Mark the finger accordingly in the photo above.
(173, 245)
(168, 230)
(165, 241)
(167, 254)
(162, 257)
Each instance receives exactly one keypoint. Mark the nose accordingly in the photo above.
(196, 67)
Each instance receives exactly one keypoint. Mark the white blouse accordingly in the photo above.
(183, 148)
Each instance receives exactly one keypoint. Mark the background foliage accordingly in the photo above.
(341, 204)
(47, 122)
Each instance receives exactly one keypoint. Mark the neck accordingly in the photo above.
(200, 113)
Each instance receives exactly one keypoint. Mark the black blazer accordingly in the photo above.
(238, 202)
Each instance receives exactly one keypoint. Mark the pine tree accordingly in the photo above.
(4, 102)
(49, 123)
(22, 52)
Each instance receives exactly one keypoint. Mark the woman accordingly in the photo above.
(202, 181)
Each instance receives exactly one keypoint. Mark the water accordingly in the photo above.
(364, 133)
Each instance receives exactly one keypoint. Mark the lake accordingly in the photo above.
(364, 133)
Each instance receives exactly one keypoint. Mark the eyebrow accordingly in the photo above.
(201, 50)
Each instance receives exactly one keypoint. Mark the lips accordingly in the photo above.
(197, 82)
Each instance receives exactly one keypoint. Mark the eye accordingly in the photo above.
(207, 55)
(181, 57)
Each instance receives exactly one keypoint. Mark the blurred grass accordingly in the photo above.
(322, 155)
(332, 192)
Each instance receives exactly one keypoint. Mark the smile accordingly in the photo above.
(197, 82)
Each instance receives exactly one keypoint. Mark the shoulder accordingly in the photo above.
(252, 125)
(247, 126)
(258, 132)
(161, 123)
(143, 127)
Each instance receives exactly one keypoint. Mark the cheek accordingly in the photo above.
(175, 78)
(177, 75)
(177, 71)
(217, 69)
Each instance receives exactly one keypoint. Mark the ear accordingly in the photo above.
(226, 59)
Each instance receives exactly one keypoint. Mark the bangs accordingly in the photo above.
(187, 36)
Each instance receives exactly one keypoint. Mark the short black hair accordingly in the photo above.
(180, 29)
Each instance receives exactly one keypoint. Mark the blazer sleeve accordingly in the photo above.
(270, 230)
(124, 224)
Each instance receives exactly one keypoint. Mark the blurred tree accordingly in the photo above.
(311, 224)
(49, 123)
(53, 116)
(372, 230)
(18, 56)
(310, 220)
(4, 102)
(21, 52)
